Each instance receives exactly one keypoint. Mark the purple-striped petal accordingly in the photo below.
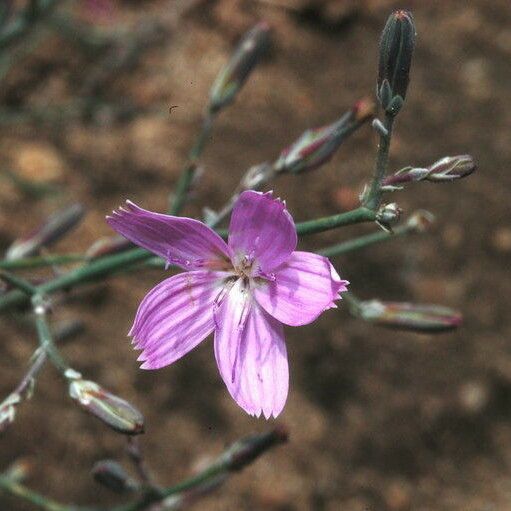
(261, 229)
(175, 316)
(251, 354)
(304, 286)
(182, 241)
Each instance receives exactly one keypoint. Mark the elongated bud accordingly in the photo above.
(107, 407)
(232, 77)
(245, 451)
(396, 51)
(444, 170)
(111, 474)
(108, 245)
(54, 228)
(315, 147)
(409, 316)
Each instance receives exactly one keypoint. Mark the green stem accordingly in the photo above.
(188, 174)
(373, 199)
(355, 216)
(365, 241)
(45, 338)
(38, 500)
(40, 261)
(23, 285)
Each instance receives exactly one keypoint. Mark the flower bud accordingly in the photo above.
(396, 50)
(388, 215)
(409, 316)
(232, 77)
(112, 475)
(108, 245)
(446, 169)
(315, 147)
(245, 451)
(54, 228)
(450, 168)
(107, 407)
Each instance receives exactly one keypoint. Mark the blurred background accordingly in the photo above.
(379, 420)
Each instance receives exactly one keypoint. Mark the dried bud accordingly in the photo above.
(421, 220)
(396, 50)
(444, 170)
(232, 77)
(315, 147)
(8, 410)
(450, 168)
(409, 316)
(112, 475)
(56, 227)
(19, 470)
(246, 450)
(388, 215)
(109, 408)
(108, 245)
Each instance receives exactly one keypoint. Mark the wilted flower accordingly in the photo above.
(315, 147)
(109, 408)
(410, 316)
(242, 290)
(232, 77)
(107, 245)
(53, 229)
(444, 170)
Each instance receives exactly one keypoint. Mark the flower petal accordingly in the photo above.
(251, 354)
(262, 229)
(182, 241)
(304, 286)
(175, 316)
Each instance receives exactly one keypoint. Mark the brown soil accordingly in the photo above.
(379, 420)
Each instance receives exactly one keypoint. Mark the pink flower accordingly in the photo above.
(242, 290)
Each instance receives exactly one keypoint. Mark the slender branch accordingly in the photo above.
(189, 172)
(21, 284)
(45, 338)
(38, 500)
(235, 458)
(367, 240)
(355, 216)
(135, 455)
(41, 261)
(374, 195)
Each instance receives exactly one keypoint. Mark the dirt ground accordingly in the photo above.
(379, 420)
